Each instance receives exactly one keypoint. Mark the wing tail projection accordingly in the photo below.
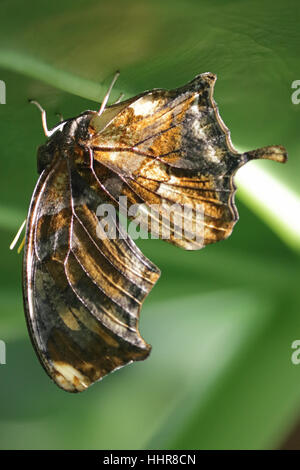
(277, 153)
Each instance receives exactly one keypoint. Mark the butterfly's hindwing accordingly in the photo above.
(82, 294)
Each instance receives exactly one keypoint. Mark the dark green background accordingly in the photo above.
(221, 321)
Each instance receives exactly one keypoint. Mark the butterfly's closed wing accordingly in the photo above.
(171, 147)
(82, 295)
(83, 292)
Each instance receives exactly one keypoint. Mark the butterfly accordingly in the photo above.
(83, 293)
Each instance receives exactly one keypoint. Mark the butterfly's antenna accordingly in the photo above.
(44, 118)
(106, 97)
(47, 132)
(15, 240)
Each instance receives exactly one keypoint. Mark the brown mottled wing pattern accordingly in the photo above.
(82, 295)
(171, 147)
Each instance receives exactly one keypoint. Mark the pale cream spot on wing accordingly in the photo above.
(210, 154)
(144, 106)
(70, 378)
(113, 156)
(194, 108)
(198, 130)
(63, 383)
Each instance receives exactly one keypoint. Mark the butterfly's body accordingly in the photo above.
(83, 294)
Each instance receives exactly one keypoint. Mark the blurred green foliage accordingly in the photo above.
(221, 321)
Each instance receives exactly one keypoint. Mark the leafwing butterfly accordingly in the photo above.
(83, 293)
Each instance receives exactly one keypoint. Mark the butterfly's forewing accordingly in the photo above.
(171, 147)
(82, 294)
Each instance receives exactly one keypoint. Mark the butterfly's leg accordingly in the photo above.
(119, 99)
(48, 132)
(105, 99)
(16, 238)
